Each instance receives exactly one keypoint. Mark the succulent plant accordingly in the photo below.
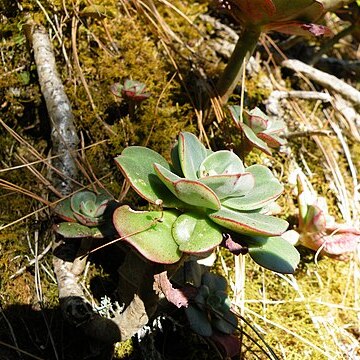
(132, 90)
(259, 131)
(84, 214)
(318, 230)
(207, 193)
(210, 309)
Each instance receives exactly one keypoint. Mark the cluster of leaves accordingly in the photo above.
(84, 214)
(206, 194)
(259, 131)
(131, 90)
(210, 310)
(317, 229)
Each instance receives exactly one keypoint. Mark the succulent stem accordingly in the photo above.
(233, 71)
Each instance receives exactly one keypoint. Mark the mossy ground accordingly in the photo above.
(313, 315)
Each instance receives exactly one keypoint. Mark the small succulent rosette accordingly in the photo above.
(84, 215)
(132, 91)
(259, 130)
(317, 229)
(202, 195)
(210, 309)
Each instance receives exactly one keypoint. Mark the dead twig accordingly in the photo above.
(328, 81)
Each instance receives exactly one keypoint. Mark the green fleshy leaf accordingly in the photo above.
(168, 178)
(191, 154)
(276, 254)
(88, 220)
(63, 209)
(76, 231)
(249, 223)
(78, 199)
(254, 140)
(221, 162)
(149, 232)
(225, 186)
(197, 194)
(198, 321)
(189, 191)
(266, 190)
(137, 165)
(176, 160)
(235, 112)
(196, 234)
(88, 207)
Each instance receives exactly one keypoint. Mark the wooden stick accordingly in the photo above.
(330, 82)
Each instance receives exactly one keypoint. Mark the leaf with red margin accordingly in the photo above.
(149, 232)
(299, 28)
(249, 223)
(191, 192)
(191, 154)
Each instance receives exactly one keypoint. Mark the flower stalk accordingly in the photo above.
(232, 74)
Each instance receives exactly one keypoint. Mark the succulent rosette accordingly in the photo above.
(204, 194)
(259, 130)
(131, 90)
(83, 213)
(210, 310)
(318, 230)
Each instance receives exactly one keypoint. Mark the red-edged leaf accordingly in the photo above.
(334, 241)
(271, 140)
(299, 28)
(249, 223)
(149, 232)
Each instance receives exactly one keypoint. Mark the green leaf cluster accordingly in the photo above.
(205, 194)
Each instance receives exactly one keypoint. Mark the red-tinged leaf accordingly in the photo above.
(272, 141)
(197, 194)
(191, 154)
(191, 192)
(178, 297)
(222, 162)
(254, 139)
(249, 223)
(149, 232)
(333, 242)
(226, 186)
(64, 211)
(256, 120)
(137, 165)
(299, 28)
